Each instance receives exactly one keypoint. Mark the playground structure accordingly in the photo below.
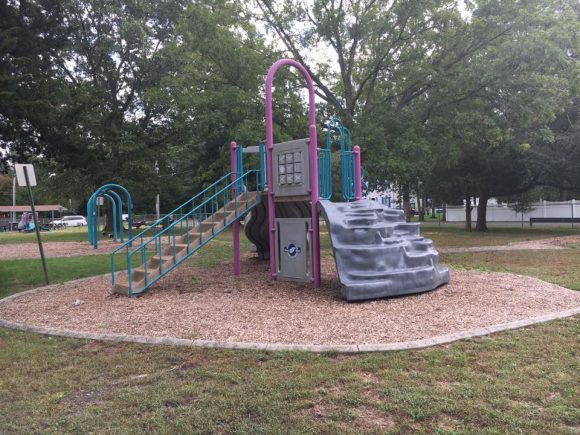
(336, 134)
(25, 224)
(109, 192)
(347, 161)
(377, 253)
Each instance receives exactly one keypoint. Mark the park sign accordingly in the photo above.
(21, 175)
(26, 178)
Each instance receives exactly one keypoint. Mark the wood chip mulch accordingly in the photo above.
(212, 304)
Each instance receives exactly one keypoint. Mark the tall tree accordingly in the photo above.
(143, 93)
(521, 82)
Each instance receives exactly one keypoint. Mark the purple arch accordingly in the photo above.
(313, 155)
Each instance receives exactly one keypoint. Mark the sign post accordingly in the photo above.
(28, 179)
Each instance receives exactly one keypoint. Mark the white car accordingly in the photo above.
(70, 221)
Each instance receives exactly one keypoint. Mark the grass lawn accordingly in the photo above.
(454, 236)
(19, 275)
(523, 381)
(558, 267)
(76, 234)
(445, 235)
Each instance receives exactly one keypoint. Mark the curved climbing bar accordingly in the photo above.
(313, 157)
(110, 188)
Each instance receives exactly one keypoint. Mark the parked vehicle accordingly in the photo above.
(69, 221)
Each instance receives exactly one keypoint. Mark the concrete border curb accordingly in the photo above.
(354, 348)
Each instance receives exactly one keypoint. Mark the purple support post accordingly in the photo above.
(357, 174)
(236, 224)
(313, 154)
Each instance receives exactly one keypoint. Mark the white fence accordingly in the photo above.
(503, 213)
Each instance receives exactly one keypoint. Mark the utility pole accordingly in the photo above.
(157, 198)
(13, 200)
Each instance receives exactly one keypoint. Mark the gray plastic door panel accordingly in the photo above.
(293, 250)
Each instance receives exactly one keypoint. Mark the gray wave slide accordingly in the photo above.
(377, 253)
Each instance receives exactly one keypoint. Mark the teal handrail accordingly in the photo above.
(180, 231)
(239, 163)
(177, 210)
(346, 162)
(324, 173)
(263, 167)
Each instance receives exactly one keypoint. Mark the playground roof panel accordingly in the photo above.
(23, 208)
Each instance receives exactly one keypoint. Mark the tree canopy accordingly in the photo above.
(448, 99)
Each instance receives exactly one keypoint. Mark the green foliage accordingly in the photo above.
(456, 102)
(449, 102)
(146, 94)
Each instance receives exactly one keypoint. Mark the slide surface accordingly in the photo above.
(377, 253)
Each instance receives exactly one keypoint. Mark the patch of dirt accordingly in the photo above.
(14, 251)
(79, 400)
(319, 411)
(257, 309)
(551, 243)
(370, 418)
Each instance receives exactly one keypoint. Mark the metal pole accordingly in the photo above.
(236, 224)
(97, 231)
(157, 198)
(357, 174)
(157, 207)
(36, 225)
(13, 200)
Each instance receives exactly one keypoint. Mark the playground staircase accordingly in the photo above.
(156, 251)
(377, 253)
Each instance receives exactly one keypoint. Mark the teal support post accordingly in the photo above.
(239, 169)
(262, 177)
(91, 215)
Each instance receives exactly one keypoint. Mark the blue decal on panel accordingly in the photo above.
(292, 250)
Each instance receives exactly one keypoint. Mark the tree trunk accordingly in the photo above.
(422, 205)
(444, 216)
(481, 224)
(433, 215)
(565, 194)
(406, 202)
(107, 213)
(468, 209)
